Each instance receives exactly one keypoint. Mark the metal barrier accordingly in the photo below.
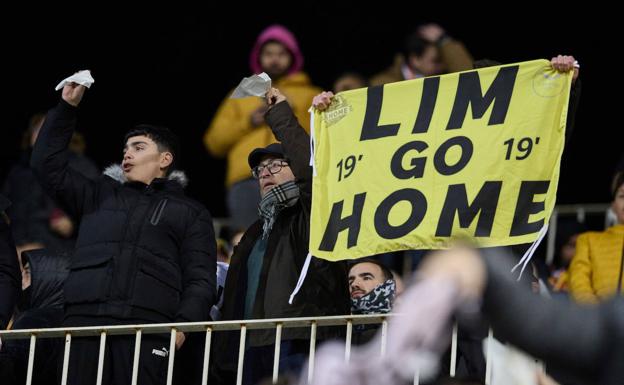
(581, 211)
(208, 328)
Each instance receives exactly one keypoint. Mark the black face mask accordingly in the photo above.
(23, 302)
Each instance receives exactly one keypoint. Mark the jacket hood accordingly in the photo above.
(48, 271)
(115, 172)
(282, 35)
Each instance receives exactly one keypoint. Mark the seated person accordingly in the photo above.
(372, 288)
(596, 269)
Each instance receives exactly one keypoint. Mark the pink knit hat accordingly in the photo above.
(282, 35)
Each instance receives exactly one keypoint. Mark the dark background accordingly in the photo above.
(174, 66)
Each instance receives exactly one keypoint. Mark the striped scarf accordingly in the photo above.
(283, 195)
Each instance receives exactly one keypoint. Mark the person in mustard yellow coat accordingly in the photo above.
(238, 125)
(596, 271)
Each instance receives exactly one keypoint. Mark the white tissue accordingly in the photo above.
(256, 85)
(82, 77)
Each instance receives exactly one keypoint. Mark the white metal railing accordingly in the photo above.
(173, 328)
(208, 328)
(581, 211)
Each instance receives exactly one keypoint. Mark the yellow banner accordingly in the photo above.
(415, 164)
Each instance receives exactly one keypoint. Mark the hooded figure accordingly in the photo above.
(40, 306)
(238, 127)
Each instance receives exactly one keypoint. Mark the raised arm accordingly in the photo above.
(293, 137)
(50, 157)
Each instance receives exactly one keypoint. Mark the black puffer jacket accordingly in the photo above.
(10, 279)
(48, 272)
(144, 253)
(41, 307)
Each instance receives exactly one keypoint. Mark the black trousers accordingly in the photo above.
(258, 365)
(118, 360)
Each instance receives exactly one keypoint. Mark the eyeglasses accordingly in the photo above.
(274, 167)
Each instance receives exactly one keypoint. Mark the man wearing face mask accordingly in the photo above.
(373, 290)
(372, 287)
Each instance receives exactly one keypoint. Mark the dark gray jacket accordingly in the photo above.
(585, 341)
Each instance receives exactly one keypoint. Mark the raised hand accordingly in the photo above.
(565, 63)
(73, 93)
(274, 96)
(322, 100)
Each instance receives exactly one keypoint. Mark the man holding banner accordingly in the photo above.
(264, 276)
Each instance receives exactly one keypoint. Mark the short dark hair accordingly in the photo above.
(164, 138)
(415, 45)
(485, 63)
(385, 271)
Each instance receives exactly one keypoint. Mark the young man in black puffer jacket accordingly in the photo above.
(145, 252)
